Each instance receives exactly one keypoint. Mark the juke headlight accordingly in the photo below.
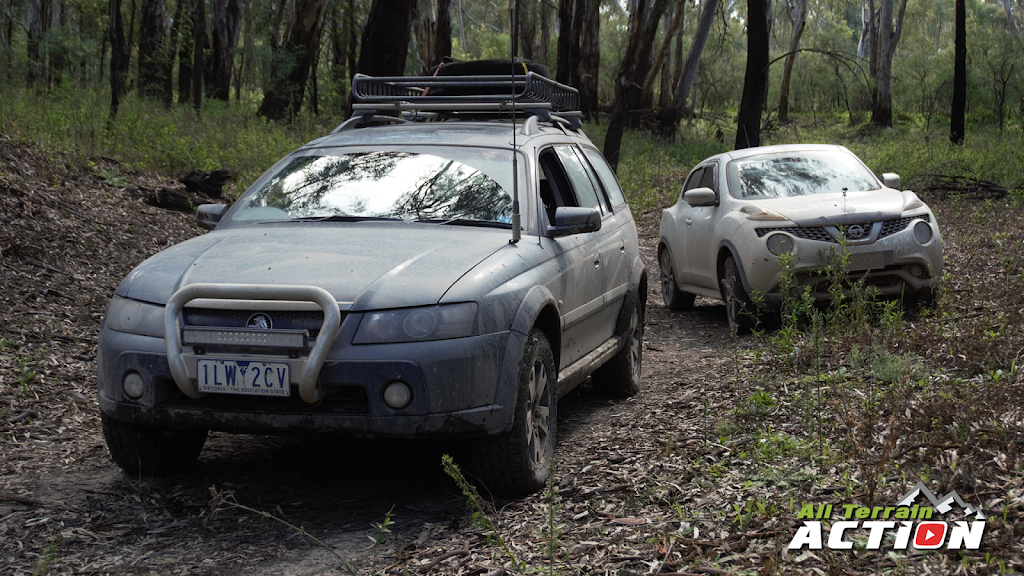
(417, 324)
(135, 317)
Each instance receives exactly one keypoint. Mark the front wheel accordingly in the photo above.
(151, 451)
(739, 309)
(674, 298)
(620, 376)
(518, 461)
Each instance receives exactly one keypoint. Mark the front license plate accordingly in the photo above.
(252, 378)
(867, 261)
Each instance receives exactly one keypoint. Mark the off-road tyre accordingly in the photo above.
(739, 309)
(518, 461)
(151, 451)
(674, 298)
(620, 376)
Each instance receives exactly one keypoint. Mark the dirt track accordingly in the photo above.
(64, 505)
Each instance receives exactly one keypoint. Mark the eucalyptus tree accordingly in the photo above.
(285, 89)
(888, 37)
(797, 12)
(755, 79)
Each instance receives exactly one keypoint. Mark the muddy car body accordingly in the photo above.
(422, 318)
(739, 211)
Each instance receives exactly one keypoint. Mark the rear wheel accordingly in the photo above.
(620, 376)
(151, 451)
(518, 461)
(674, 298)
(739, 309)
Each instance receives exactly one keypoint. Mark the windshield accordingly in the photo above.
(461, 185)
(798, 174)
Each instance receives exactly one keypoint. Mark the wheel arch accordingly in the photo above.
(539, 309)
(724, 251)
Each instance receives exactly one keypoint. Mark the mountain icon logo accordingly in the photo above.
(942, 505)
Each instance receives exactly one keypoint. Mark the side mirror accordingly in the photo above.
(208, 215)
(571, 220)
(891, 180)
(700, 197)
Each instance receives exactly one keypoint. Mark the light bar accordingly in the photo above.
(244, 337)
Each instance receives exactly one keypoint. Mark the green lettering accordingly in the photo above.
(863, 512)
(848, 510)
(888, 510)
(875, 511)
(902, 512)
(924, 513)
(806, 511)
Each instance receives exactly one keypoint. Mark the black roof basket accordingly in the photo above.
(468, 96)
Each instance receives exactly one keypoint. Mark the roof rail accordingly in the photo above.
(468, 96)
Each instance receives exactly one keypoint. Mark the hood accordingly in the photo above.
(372, 265)
(834, 209)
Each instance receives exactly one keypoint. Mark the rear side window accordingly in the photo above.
(586, 194)
(608, 180)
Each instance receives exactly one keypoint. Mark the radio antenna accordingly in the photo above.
(516, 234)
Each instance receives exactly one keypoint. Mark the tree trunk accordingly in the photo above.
(353, 45)
(659, 60)
(226, 17)
(564, 61)
(386, 38)
(797, 10)
(888, 38)
(631, 73)
(670, 117)
(119, 56)
(545, 30)
(443, 46)
(590, 59)
(755, 78)
(527, 28)
(36, 25)
(186, 50)
(198, 57)
(154, 68)
(956, 119)
(284, 93)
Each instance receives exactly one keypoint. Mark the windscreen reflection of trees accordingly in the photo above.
(801, 176)
(430, 188)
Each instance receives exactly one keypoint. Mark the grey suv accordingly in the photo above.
(373, 283)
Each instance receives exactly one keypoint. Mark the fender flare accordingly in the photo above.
(535, 301)
(727, 245)
(637, 277)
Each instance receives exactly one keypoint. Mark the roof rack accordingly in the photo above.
(468, 96)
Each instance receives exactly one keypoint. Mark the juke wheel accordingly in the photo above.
(674, 298)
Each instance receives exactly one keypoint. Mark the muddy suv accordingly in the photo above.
(428, 269)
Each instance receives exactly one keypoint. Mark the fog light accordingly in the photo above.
(779, 244)
(397, 394)
(923, 232)
(134, 386)
(916, 270)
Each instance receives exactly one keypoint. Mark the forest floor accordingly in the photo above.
(727, 436)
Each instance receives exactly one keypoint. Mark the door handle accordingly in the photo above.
(597, 262)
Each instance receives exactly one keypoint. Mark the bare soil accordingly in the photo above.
(631, 475)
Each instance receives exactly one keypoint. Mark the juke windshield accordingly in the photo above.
(464, 185)
(798, 174)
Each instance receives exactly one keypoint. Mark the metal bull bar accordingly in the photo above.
(304, 371)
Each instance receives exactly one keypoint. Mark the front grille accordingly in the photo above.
(809, 233)
(893, 226)
(294, 320)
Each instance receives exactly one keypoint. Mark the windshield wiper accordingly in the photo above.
(468, 222)
(333, 218)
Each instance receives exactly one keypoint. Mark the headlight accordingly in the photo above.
(135, 317)
(417, 324)
(779, 244)
(922, 232)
